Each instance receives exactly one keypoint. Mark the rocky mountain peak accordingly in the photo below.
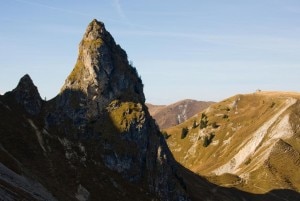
(102, 72)
(26, 94)
(25, 82)
(102, 105)
(95, 30)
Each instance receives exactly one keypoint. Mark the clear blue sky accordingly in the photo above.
(201, 49)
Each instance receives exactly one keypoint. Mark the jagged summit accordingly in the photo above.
(25, 83)
(102, 72)
(102, 104)
(96, 30)
(26, 78)
(26, 94)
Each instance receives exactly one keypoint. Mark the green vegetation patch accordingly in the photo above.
(208, 139)
(92, 44)
(77, 71)
(123, 114)
(203, 121)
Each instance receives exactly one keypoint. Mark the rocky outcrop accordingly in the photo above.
(27, 95)
(102, 72)
(104, 97)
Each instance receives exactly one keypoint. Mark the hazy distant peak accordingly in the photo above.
(176, 113)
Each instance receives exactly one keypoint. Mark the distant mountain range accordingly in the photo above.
(170, 115)
(250, 142)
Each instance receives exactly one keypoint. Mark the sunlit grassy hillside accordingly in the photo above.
(250, 141)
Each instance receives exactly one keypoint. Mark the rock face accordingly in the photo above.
(27, 95)
(102, 72)
(96, 138)
(103, 97)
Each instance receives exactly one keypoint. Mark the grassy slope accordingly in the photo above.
(242, 126)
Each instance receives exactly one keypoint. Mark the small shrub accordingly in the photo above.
(165, 134)
(272, 105)
(248, 161)
(208, 139)
(203, 121)
(215, 125)
(227, 109)
(225, 116)
(184, 132)
(195, 124)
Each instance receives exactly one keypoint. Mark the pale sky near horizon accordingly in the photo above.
(204, 50)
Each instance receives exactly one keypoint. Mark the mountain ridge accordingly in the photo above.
(239, 141)
(176, 113)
